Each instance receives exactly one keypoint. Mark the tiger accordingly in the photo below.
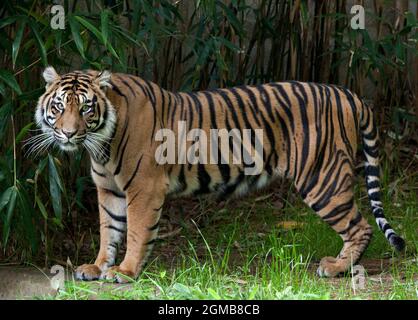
(310, 134)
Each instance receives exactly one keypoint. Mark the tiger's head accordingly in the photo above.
(74, 111)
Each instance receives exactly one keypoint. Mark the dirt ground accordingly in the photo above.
(17, 282)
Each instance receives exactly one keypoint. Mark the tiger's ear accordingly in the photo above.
(103, 79)
(50, 75)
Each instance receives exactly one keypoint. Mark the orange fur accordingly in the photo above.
(310, 135)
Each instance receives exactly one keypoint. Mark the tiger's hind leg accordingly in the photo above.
(353, 229)
(333, 200)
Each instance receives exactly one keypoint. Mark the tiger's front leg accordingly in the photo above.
(144, 205)
(112, 210)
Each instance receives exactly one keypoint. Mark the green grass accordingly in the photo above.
(244, 252)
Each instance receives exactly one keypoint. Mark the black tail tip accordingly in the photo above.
(397, 242)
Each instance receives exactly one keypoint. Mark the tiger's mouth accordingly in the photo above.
(69, 144)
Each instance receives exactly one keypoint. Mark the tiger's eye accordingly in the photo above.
(85, 108)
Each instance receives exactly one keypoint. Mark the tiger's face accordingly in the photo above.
(74, 111)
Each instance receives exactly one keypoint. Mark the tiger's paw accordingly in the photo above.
(330, 267)
(88, 272)
(118, 275)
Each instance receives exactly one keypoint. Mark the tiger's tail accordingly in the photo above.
(372, 172)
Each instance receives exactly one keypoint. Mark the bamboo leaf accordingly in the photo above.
(11, 204)
(23, 132)
(113, 52)
(17, 41)
(5, 197)
(10, 80)
(5, 112)
(104, 23)
(90, 27)
(232, 18)
(39, 43)
(228, 44)
(2, 90)
(75, 32)
(41, 207)
(26, 211)
(7, 21)
(31, 95)
(55, 188)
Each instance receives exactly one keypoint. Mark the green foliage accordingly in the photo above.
(185, 45)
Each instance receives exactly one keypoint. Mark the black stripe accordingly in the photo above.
(189, 108)
(286, 140)
(366, 122)
(114, 216)
(371, 151)
(116, 229)
(173, 110)
(372, 135)
(119, 166)
(113, 245)
(116, 194)
(313, 172)
(182, 179)
(372, 171)
(375, 196)
(302, 100)
(117, 90)
(327, 193)
(151, 91)
(98, 173)
(138, 84)
(341, 121)
(133, 198)
(270, 135)
(133, 175)
(224, 169)
(342, 210)
(128, 85)
(286, 104)
(386, 227)
(152, 241)
(352, 223)
(198, 105)
(204, 180)
(162, 104)
(155, 226)
(151, 96)
(265, 99)
(158, 209)
(169, 106)
(255, 109)
(354, 107)
(123, 136)
(231, 188)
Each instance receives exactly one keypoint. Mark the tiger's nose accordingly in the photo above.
(69, 133)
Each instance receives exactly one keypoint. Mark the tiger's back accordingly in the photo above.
(296, 120)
